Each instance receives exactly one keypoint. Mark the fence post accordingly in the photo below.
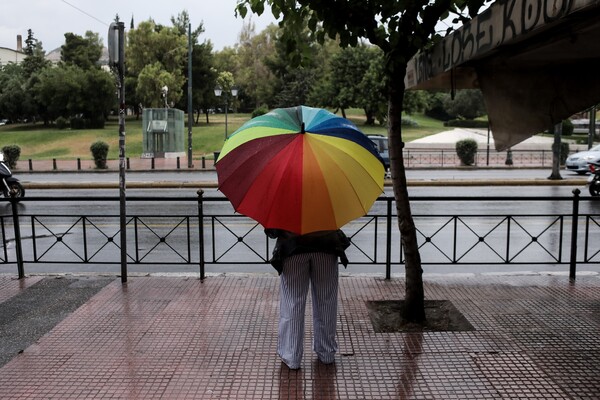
(30, 165)
(78, 164)
(201, 232)
(388, 241)
(18, 244)
(54, 164)
(573, 263)
(128, 165)
(152, 163)
(178, 162)
(203, 162)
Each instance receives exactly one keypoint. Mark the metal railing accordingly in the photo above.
(205, 231)
(414, 158)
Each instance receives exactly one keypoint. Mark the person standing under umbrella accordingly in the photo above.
(303, 261)
(303, 173)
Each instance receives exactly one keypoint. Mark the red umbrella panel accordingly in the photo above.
(300, 169)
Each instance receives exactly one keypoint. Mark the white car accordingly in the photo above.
(579, 162)
(3, 122)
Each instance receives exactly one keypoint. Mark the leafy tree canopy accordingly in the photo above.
(84, 52)
(156, 56)
(400, 29)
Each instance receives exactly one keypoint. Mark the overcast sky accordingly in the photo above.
(51, 19)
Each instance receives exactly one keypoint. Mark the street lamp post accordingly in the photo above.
(220, 92)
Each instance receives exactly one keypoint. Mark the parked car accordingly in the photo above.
(381, 143)
(3, 122)
(579, 162)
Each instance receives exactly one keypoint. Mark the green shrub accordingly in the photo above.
(62, 123)
(466, 150)
(567, 128)
(262, 110)
(99, 151)
(467, 123)
(409, 122)
(11, 154)
(77, 123)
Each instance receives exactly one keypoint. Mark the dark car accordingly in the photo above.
(381, 144)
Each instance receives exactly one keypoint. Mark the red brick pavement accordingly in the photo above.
(536, 337)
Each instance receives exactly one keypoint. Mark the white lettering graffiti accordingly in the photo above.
(501, 23)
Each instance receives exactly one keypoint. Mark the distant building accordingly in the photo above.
(54, 57)
(12, 56)
(17, 56)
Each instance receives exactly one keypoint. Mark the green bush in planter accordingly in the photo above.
(99, 151)
(11, 155)
(466, 150)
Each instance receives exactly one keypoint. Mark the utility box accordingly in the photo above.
(163, 133)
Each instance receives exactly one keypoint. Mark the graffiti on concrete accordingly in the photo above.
(502, 23)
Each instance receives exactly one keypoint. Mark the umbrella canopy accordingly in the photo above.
(300, 169)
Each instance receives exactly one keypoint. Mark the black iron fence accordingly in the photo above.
(414, 158)
(201, 231)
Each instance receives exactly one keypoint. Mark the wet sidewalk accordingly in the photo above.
(535, 337)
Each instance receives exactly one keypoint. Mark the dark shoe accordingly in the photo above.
(291, 367)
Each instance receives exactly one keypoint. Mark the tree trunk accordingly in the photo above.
(557, 131)
(415, 294)
(370, 117)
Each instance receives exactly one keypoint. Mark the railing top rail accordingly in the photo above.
(222, 198)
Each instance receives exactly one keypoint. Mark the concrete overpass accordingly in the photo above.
(537, 62)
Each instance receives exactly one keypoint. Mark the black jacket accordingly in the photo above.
(288, 243)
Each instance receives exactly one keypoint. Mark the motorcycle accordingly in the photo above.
(11, 187)
(594, 179)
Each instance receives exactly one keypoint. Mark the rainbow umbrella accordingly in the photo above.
(300, 169)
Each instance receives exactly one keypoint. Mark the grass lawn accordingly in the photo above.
(38, 142)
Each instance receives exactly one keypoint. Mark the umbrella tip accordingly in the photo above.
(302, 128)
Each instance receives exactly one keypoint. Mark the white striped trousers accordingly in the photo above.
(320, 272)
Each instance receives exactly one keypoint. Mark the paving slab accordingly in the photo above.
(536, 337)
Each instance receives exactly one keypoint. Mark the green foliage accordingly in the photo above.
(16, 100)
(35, 60)
(248, 62)
(409, 122)
(156, 57)
(466, 149)
(99, 151)
(436, 107)
(70, 91)
(77, 123)
(358, 80)
(11, 154)
(415, 101)
(467, 123)
(466, 104)
(61, 123)
(567, 128)
(83, 52)
(262, 110)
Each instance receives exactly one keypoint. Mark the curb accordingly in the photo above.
(214, 185)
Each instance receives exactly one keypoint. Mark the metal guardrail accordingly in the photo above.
(196, 231)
